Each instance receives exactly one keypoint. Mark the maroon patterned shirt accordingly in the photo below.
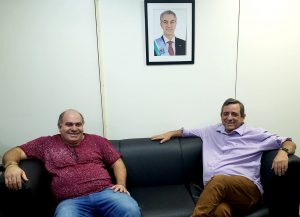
(75, 171)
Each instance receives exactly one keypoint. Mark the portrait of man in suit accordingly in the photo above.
(168, 44)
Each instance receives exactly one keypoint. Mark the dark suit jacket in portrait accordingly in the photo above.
(161, 50)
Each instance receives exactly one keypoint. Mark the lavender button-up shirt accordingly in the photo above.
(236, 153)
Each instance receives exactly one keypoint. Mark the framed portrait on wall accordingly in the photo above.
(169, 26)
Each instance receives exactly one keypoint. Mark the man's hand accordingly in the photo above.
(280, 163)
(167, 136)
(120, 188)
(162, 137)
(14, 176)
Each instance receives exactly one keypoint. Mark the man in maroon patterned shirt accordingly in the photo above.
(77, 162)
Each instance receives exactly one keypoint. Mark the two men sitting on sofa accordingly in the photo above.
(76, 161)
(231, 163)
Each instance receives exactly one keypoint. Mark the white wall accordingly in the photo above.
(268, 69)
(48, 63)
(142, 100)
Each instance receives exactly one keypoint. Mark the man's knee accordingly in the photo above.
(66, 209)
(132, 211)
(126, 206)
(223, 210)
(130, 208)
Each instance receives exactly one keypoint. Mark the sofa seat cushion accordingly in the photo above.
(164, 201)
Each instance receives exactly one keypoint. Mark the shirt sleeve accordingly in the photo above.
(35, 148)
(186, 132)
(272, 141)
(109, 154)
(265, 139)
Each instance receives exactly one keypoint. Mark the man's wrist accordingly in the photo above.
(124, 185)
(285, 150)
(10, 163)
(181, 131)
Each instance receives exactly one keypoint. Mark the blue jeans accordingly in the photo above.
(106, 203)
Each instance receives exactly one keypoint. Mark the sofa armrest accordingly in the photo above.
(34, 193)
(34, 170)
(36, 174)
(281, 193)
(268, 175)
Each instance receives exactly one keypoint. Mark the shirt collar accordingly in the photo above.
(240, 130)
(166, 40)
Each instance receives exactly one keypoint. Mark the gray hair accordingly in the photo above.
(167, 12)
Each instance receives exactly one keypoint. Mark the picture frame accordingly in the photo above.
(165, 19)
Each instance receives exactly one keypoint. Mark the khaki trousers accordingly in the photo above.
(224, 196)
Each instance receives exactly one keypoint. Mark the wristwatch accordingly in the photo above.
(285, 149)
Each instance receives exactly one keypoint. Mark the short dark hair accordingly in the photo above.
(167, 12)
(61, 117)
(234, 101)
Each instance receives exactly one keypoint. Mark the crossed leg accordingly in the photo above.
(225, 194)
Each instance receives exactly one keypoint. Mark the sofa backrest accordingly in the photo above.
(149, 163)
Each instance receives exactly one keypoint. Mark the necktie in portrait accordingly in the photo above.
(170, 49)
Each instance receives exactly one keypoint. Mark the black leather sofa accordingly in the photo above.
(165, 179)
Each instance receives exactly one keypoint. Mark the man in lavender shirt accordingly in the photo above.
(232, 152)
